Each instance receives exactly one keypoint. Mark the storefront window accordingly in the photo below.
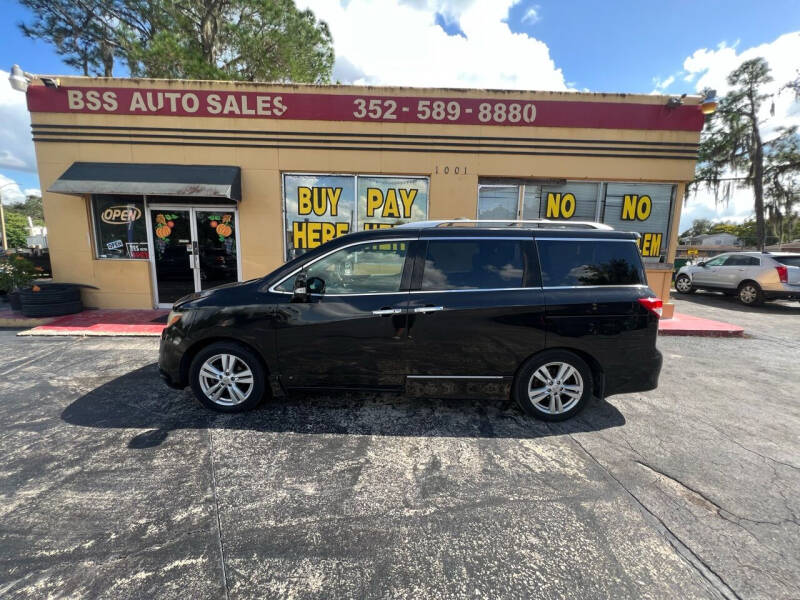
(571, 201)
(498, 202)
(319, 208)
(642, 207)
(119, 227)
(388, 201)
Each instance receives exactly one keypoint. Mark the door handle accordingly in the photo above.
(428, 309)
(387, 311)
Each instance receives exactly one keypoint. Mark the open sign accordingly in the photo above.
(120, 215)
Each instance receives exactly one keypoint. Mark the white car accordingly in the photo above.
(752, 276)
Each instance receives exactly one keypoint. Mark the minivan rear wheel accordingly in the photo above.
(227, 377)
(554, 385)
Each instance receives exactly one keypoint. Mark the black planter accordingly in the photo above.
(14, 300)
(51, 300)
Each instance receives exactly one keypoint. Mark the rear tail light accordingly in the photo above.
(654, 305)
(783, 273)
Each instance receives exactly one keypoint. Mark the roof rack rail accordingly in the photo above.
(522, 223)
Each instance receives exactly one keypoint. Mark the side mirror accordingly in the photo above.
(701, 264)
(300, 290)
(315, 285)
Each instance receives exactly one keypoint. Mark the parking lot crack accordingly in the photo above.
(699, 498)
(717, 583)
(216, 511)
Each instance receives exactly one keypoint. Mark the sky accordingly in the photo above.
(627, 46)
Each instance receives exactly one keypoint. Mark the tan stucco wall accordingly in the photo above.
(128, 283)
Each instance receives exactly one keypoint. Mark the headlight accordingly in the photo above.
(174, 317)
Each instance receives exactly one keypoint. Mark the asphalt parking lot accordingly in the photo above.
(114, 486)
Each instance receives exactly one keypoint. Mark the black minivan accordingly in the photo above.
(549, 312)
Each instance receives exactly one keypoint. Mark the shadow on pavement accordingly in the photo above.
(718, 300)
(139, 400)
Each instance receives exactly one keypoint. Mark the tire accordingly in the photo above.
(546, 407)
(750, 293)
(53, 293)
(685, 282)
(228, 400)
(52, 310)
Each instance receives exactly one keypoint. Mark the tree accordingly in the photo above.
(733, 138)
(16, 230)
(732, 143)
(699, 227)
(77, 29)
(267, 40)
(31, 207)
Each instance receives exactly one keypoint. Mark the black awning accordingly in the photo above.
(207, 181)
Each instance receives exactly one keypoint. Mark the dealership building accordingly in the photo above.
(154, 189)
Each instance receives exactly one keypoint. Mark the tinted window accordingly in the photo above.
(717, 262)
(362, 269)
(119, 226)
(742, 261)
(474, 264)
(789, 261)
(589, 262)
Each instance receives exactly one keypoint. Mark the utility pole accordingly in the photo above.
(3, 215)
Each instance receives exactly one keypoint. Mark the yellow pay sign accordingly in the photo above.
(394, 203)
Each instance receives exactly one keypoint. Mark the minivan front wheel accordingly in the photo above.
(227, 377)
(553, 385)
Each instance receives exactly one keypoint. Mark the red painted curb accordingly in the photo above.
(688, 325)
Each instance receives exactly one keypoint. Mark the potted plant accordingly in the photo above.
(15, 272)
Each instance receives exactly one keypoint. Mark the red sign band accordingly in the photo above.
(347, 107)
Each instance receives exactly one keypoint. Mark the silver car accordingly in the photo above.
(752, 276)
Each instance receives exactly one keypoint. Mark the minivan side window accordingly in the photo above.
(477, 264)
(585, 262)
(363, 269)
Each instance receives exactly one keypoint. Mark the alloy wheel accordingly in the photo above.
(748, 294)
(683, 284)
(226, 379)
(554, 388)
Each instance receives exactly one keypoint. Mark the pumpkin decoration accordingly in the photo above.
(226, 218)
(160, 219)
(214, 224)
(163, 231)
(224, 230)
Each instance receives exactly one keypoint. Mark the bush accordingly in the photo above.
(15, 272)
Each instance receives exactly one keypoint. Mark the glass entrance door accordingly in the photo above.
(172, 253)
(194, 248)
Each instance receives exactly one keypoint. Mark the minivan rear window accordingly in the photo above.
(583, 262)
(789, 261)
(474, 264)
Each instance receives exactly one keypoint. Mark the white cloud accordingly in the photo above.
(532, 16)
(702, 205)
(10, 191)
(662, 84)
(16, 145)
(712, 67)
(399, 43)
